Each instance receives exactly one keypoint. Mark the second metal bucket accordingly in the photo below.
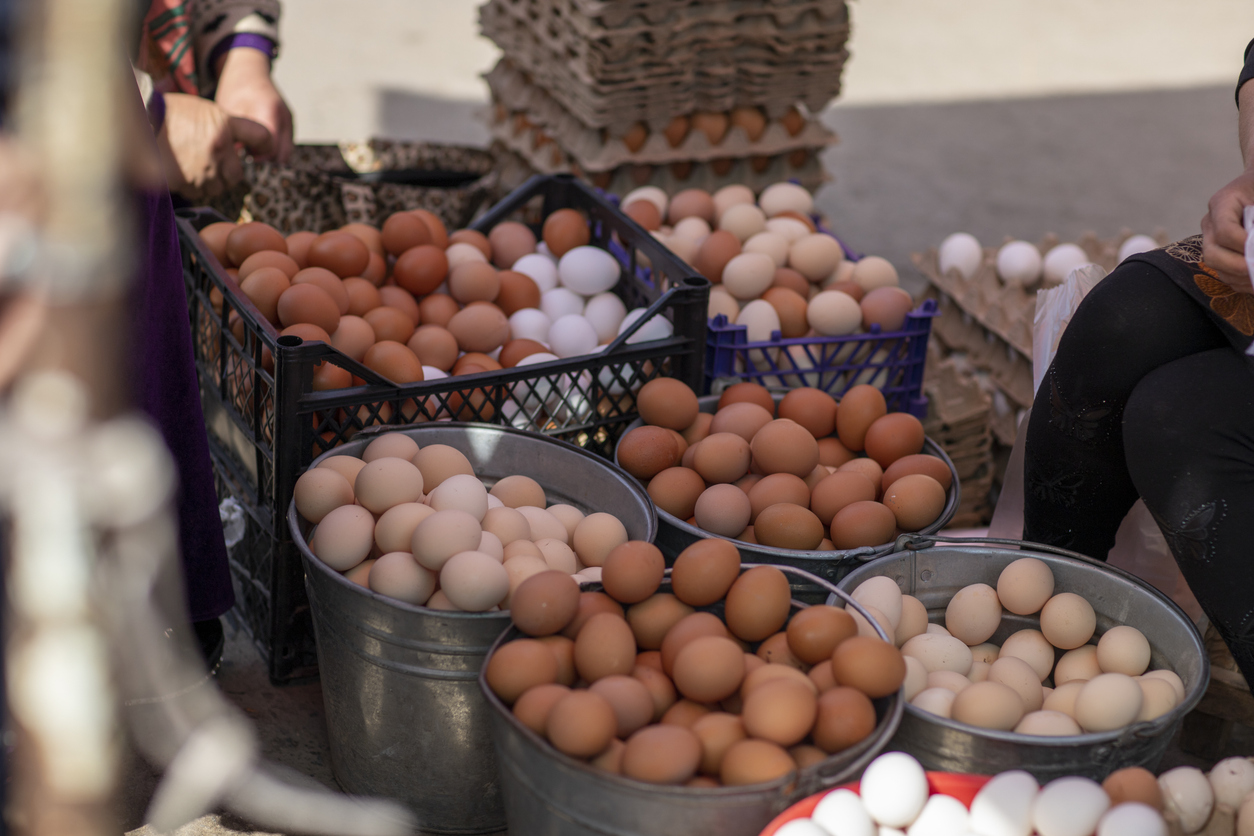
(405, 716)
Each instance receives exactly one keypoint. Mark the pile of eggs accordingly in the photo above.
(789, 477)
(415, 524)
(413, 302)
(656, 687)
(771, 267)
(893, 796)
(1021, 263)
(954, 672)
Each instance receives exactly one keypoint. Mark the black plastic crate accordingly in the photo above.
(266, 423)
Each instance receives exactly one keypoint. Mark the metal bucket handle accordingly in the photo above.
(918, 542)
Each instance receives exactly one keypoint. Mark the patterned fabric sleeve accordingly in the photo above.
(214, 20)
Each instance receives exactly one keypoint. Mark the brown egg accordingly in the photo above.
(989, 705)
(376, 270)
(667, 402)
(744, 419)
(705, 571)
(518, 291)
(306, 332)
(660, 688)
(421, 269)
(781, 711)
(813, 409)
(391, 296)
(267, 258)
(665, 754)
(684, 713)
(474, 361)
(214, 237)
(859, 408)
(893, 436)
(479, 327)
(722, 458)
(784, 446)
(362, 295)
(821, 676)
(533, 707)
(510, 241)
(604, 646)
(630, 699)
(652, 619)
(564, 230)
(633, 571)
(394, 361)
(518, 665)
(754, 762)
(861, 524)
(434, 346)
(840, 489)
(872, 665)
(788, 526)
(474, 281)
(690, 627)
(777, 488)
(367, 234)
(646, 451)
(544, 604)
(675, 491)
(775, 651)
(263, 287)
(611, 760)
(714, 125)
(308, 303)
(867, 467)
(403, 231)
(833, 454)
(714, 253)
(581, 724)
(751, 120)
(390, 324)
(722, 509)
(709, 668)
(327, 376)
(1133, 783)
(918, 463)
(248, 238)
(298, 247)
(849, 288)
(326, 280)
(474, 238)
(758, 603)
(791, 307)
(676, 130)
(790, 279)
(515, 350)
(439, 235)
(717, 731)
(814, 632)
(750, 392)
(845, 717)
(438, 308)
(340, 252)
(645, 213)
(886, 307)
(916, 500)
(590, 604)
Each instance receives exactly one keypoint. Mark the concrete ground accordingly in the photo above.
(995, 117)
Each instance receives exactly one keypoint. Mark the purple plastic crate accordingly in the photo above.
(892, 361)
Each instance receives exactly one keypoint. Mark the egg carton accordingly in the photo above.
(958, 419)
(530, 107)
(546, 156)
(567, 27)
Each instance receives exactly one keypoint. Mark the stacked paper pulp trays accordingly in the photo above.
(266, 423)
(893, 362)
(959, 420)
(674, 93)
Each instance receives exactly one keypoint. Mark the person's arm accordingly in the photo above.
(245, 89)
(1223, 228)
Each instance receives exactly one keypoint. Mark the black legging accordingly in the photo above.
(1147, 397)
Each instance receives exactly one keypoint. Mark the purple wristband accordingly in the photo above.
(156, 111)
(246, 39)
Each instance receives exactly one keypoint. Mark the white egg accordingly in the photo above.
(1018, 263)
(769, 243)
(840, 813)
(588, 270)
(1061, 260)
(785, 197)
(605, 311)
(962, 252)
(530, 324)
(942, 815)
(796, 827)
(1070, 806)
(1132, 819)
(657, 328)
(1136, 244)
(1232, 779)
(540, 268)
(894, 789)
(1187, 793)
(692, 227)
(535, 393)
(543, 249)
(432, 373)
(1003, 806)
(650, 193)
(572, 335)
(559, 302)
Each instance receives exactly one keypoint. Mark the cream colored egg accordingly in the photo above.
(1077, 665)
(722, 302)
(938, 652)
(567, 515)
(815, 256)
(543, 524)
(1123, 649)
(979, 671)
(344, 537)
(973, 614)
(986, 652)
(785, 197)
(1025, 585)
(596, 536)
(934, 629)
(952, 680)
(882, 593)
(442, 535)
(1108, 702)
(387, 481)
(1188, 794)
(319, 491)
(833, 313)
(605, 312)
(913, 619)
(394, 532)
(744, 220)
(490, 544)
(871, 272)
(519, 569)
(1232, 779)
(1157, 698)
(760, 319)
(864, 626)
(558, 555)
(396, 445)
(916, 678)
(748, 275)
(1047, 724)
(692, 227)
(473, 581)
(1062, 698)
(988, 705)
(508, 524)
(790, 228)
(1132, 818)
(684, 247)
(731, 195)
(462, 253)
(769, 243)
(1068, 621)
(461, 493)
(398, 576)
(1031, 647)
(1017, 674)
(938, 701)
(1169, 676)
(650, 193)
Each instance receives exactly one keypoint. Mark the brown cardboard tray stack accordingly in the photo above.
(958, 416)
(607, 89)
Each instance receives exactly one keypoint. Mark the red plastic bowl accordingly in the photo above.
(959, 785)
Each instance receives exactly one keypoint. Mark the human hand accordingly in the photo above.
(198, 146)
(246, 89)
(1223, 233)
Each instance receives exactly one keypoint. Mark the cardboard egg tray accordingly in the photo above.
(623, 14)
(959, 420)
(521, 106)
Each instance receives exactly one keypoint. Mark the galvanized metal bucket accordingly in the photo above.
(934, 569)
(674, 535)
(405, 716)
(550, 794)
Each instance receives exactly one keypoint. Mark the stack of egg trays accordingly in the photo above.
(266, 423)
